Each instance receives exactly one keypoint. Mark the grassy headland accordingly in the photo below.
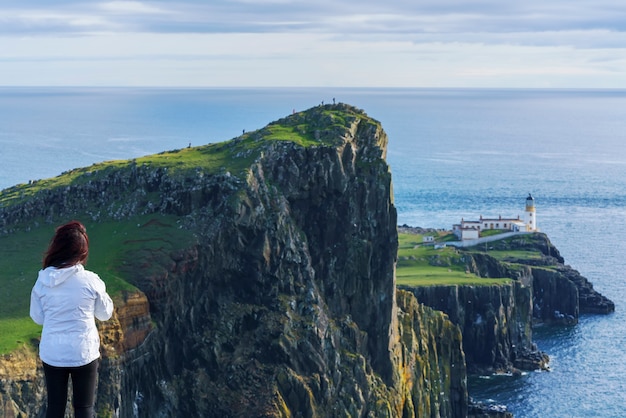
(142, 239)
(421, 264)
(118, 245)
(234, 156)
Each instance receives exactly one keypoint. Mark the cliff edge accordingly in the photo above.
(253, 277)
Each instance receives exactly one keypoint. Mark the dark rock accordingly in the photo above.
(496, 321)
(484, 410)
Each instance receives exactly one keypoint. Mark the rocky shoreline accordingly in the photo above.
(496, 321)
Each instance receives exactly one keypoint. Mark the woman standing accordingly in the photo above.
(65, 300)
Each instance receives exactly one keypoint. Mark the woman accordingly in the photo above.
(65, 300)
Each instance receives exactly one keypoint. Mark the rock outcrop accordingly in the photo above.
(281, 300)
(560, 293)
(21, 384)
(496, 320)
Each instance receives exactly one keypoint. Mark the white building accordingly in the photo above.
(471, 229)
(530, 214)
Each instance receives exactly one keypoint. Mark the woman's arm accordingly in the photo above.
(104, 305)
(36, 311)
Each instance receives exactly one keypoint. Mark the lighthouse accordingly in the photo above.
(530, 214)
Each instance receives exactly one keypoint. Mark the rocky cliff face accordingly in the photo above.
(428, 337)
(283, 303)
(560, 293)
(22, 387)
(496, 321)
(21, 384)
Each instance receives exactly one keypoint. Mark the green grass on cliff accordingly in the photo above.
(235, 155)
(509, 255)
(116, 248)
(226, 156)
(423, 265)
(297, 134)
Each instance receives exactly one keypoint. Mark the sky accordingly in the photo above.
(314, 43)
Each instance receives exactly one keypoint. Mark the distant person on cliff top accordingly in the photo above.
(65, 300)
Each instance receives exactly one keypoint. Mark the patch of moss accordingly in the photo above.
(515, 255)
(297, 134)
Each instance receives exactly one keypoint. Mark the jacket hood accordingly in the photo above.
(52, 276)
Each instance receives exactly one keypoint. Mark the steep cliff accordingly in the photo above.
(560, 293)
(268, 265)
(496, 320)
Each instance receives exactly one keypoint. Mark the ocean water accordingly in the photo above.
(453, 154)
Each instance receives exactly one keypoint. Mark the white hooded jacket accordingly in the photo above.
(65, 301)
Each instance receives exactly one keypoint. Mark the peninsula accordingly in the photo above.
(257, 277)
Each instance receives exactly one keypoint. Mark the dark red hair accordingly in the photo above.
(69, 246)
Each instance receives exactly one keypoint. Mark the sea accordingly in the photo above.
(453, 154)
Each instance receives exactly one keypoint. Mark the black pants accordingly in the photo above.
(84, 379)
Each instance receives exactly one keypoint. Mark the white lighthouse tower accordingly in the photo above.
(530, 214)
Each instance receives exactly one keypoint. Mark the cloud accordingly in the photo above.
(130, 7)
(297, 42)
(323, 16)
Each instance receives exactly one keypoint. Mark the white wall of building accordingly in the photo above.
(469, 234)
(471, 229)
(530, 218)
